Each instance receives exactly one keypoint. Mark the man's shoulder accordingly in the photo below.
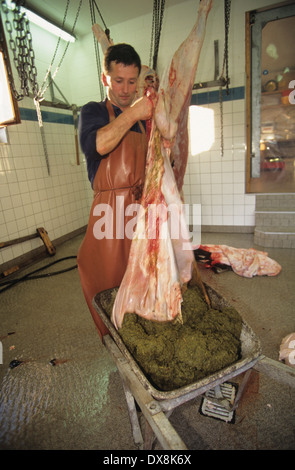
(93, 106)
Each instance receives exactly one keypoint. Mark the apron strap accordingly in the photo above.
(111, 111)
(141, 127)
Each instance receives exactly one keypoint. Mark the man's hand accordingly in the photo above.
(144, 107)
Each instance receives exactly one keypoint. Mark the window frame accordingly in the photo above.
(7, 66)
(255, 20)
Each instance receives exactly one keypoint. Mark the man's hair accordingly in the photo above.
(121, 54)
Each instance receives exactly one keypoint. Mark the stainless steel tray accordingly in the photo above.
(250, 352)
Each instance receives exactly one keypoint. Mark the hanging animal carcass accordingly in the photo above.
(159, 264)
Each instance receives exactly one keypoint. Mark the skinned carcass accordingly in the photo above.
(158, 265)
(160, 261)
(102, 38)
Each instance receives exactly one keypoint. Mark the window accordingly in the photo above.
(201, 129)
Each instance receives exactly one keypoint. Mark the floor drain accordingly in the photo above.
(218, 402)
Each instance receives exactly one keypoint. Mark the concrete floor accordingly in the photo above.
(79, 402)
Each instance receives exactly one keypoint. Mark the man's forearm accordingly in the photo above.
(109, 136)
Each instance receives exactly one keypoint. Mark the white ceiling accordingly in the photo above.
(112, 12)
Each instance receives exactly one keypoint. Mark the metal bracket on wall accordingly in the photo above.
(217, 82)
(55, 103)
(52, 84)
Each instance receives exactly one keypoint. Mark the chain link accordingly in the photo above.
(24, 56)
(227, 5)
(43, 89)
(158, 13)
(22, 51)
(56, 49)
(96, 48)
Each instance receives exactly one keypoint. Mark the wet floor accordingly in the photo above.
(65, 392)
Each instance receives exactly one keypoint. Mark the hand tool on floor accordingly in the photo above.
(41, 233)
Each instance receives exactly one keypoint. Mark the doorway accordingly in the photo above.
(270, 64)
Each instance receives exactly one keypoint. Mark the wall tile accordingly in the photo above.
(226, 175)
(228, 220)
(29, 196)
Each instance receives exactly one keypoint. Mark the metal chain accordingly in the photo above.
(159, 34)
(152, 36)
(96, 48)
(41, 93)
(227, 5)
(94, 3)
(158, 13)
(56, 49)
(23, 53)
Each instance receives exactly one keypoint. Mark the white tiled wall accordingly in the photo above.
(30, 198)
(218, 182)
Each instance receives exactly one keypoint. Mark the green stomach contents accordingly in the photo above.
(172, 354)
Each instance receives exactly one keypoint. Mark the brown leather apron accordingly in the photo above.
(102, 262)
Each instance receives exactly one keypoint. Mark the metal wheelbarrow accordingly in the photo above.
(157, 405)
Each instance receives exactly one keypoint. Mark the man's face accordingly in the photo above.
(121, 82)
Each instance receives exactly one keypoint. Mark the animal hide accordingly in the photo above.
(244, 262)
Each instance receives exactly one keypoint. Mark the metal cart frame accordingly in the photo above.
(156, 406)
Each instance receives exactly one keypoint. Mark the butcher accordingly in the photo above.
(113, 138)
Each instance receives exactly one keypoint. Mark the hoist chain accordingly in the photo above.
(94, 3)
(96, 48)
(41, 93)
(158, 13)
(23, 53)
(227, 5)
(57, 45)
